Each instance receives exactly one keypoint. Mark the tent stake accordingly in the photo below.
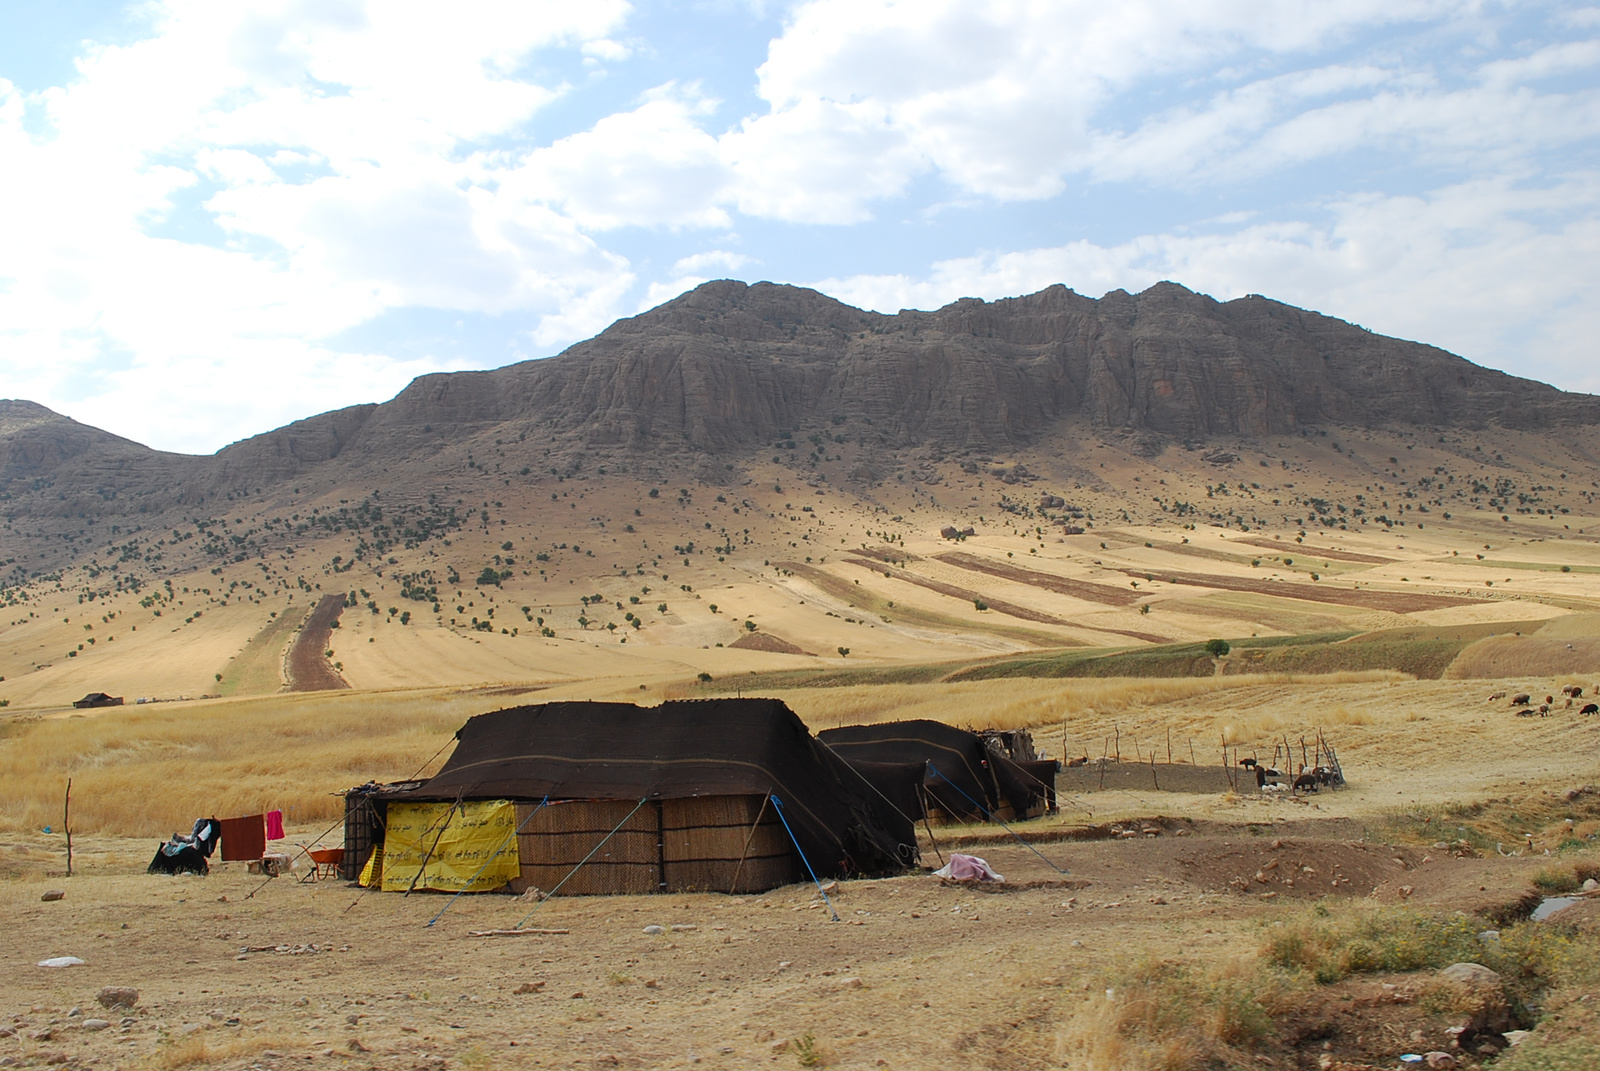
(777, 805)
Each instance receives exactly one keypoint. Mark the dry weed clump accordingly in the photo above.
(1170, 1016)
(1331, 944)
(1573, 1054)
(149, 770)
(200, 1051)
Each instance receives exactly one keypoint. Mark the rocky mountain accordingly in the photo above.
(720, 372)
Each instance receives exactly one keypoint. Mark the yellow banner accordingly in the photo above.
(450, 843)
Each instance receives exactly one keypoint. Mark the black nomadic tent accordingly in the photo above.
(964, 776)
(718, 778)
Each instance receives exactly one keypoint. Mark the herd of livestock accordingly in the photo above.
(1572, 692)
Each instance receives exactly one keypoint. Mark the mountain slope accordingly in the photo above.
(705, 385)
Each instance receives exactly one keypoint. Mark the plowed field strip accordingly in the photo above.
(1319, 552)
(1078, 589)
(1010, 609)
(309, 670)
(1395, 602)
(855, 595)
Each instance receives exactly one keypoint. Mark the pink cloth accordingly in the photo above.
(274, 825)
(967, 868)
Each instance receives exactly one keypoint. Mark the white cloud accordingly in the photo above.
(651, 166)
(712, 260)
(250, 180)
(606, 49)
(1494, 271)
(338, 146)
(1007, 100)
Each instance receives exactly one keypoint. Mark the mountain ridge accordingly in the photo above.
(707, 380)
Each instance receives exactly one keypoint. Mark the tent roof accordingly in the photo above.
(578, 750)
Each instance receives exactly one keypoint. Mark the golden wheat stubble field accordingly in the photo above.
(914, 974)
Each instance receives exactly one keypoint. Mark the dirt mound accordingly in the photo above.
(1299, 868)
(766, 641)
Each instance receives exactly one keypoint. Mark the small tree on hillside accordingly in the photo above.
(1217, 648)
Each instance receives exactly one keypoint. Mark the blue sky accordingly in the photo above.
(215, 219)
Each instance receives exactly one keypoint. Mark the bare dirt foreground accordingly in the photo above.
(914, 975)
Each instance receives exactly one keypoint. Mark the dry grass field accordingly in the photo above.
(1156, 952)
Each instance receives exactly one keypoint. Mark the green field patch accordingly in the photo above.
(1289, 616)
(1537, 567)
(258, 669)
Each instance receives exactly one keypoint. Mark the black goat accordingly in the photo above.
(1592, 708)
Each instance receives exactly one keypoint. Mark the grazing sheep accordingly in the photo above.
(1544, 710)
(1566, 689)
(1577, 691)
(1521, 699)
(1493, 696)
(1275, 787)
(1592, 708)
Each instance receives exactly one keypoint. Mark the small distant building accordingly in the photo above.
(98, 699)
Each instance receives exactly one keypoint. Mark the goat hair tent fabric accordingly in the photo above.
(963, 775)
(679, 750)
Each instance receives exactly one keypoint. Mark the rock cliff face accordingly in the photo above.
(725, 368)
(729, 365)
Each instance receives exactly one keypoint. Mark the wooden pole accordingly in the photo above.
(1118, 730)
(1136, 756)
(66, 824)
(1191, 752)
(1153, 777)
(1169, 745)
(733, 886)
